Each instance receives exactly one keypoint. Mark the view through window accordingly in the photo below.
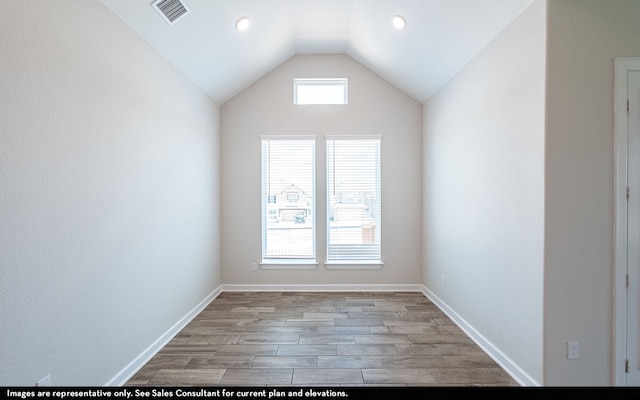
(288, 198)
(353, 200)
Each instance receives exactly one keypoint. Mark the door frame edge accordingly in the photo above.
(622, 67)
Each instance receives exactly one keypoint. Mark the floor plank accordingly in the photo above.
(326, 339)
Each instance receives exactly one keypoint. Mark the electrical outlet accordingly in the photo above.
(254, 266)
(46, 381)
(573, 350)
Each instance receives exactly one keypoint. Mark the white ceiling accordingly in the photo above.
(440, 38)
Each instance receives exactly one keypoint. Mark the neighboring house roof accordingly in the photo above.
(292, 188)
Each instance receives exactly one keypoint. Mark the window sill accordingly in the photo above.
(289, 264)
(354, 265)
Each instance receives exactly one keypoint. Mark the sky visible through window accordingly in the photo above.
(320, 91)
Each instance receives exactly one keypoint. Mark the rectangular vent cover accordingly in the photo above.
(171, 10)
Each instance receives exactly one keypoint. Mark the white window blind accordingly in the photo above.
(353, 200)
(288, 198)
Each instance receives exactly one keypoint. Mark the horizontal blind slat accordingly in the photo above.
(288, 198)
(353, 200)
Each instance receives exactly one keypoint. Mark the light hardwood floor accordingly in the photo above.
(321, 339)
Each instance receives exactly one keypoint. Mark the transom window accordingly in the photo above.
(320, 91)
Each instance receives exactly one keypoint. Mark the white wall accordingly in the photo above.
(109, 194)
(375, 108)
(484, 192)
(584, 37)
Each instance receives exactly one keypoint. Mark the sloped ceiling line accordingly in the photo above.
(440, 38)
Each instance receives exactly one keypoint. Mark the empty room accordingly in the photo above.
(319, 193)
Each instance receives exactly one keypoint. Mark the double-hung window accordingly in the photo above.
(288, 200)
(353, 200)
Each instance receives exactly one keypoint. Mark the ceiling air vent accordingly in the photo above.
(171, 10)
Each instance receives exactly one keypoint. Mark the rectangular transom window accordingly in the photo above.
(320, 91)
(288, 199)
(353, 200)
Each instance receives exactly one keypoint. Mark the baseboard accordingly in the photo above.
(498, 356)
(495, 353)
(323, 288)
(134, 366)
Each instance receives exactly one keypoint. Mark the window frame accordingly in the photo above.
(318, 82)
(354, 263)
(271, 262)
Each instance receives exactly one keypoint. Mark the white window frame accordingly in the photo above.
(271, 262)
(355, 263)
(318, 83)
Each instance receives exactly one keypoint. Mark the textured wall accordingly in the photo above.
(584, 38)
(484, 192)
(109, 194)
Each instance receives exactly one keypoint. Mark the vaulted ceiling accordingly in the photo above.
(441, 36)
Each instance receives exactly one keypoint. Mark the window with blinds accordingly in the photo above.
(288, 198)
(353, 200)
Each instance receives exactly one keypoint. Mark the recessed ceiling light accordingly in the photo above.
(242, 24)
(399, 22)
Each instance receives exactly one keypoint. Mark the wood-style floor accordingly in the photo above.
(321, 339)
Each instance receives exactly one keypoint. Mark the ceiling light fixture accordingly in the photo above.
(242, 24)
(399, 22)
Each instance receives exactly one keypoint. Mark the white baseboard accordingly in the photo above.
(322, 288)
(134, 366)
(496, 354)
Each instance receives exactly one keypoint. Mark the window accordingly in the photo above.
(288, 199)
(353, 200)
(320, 91)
